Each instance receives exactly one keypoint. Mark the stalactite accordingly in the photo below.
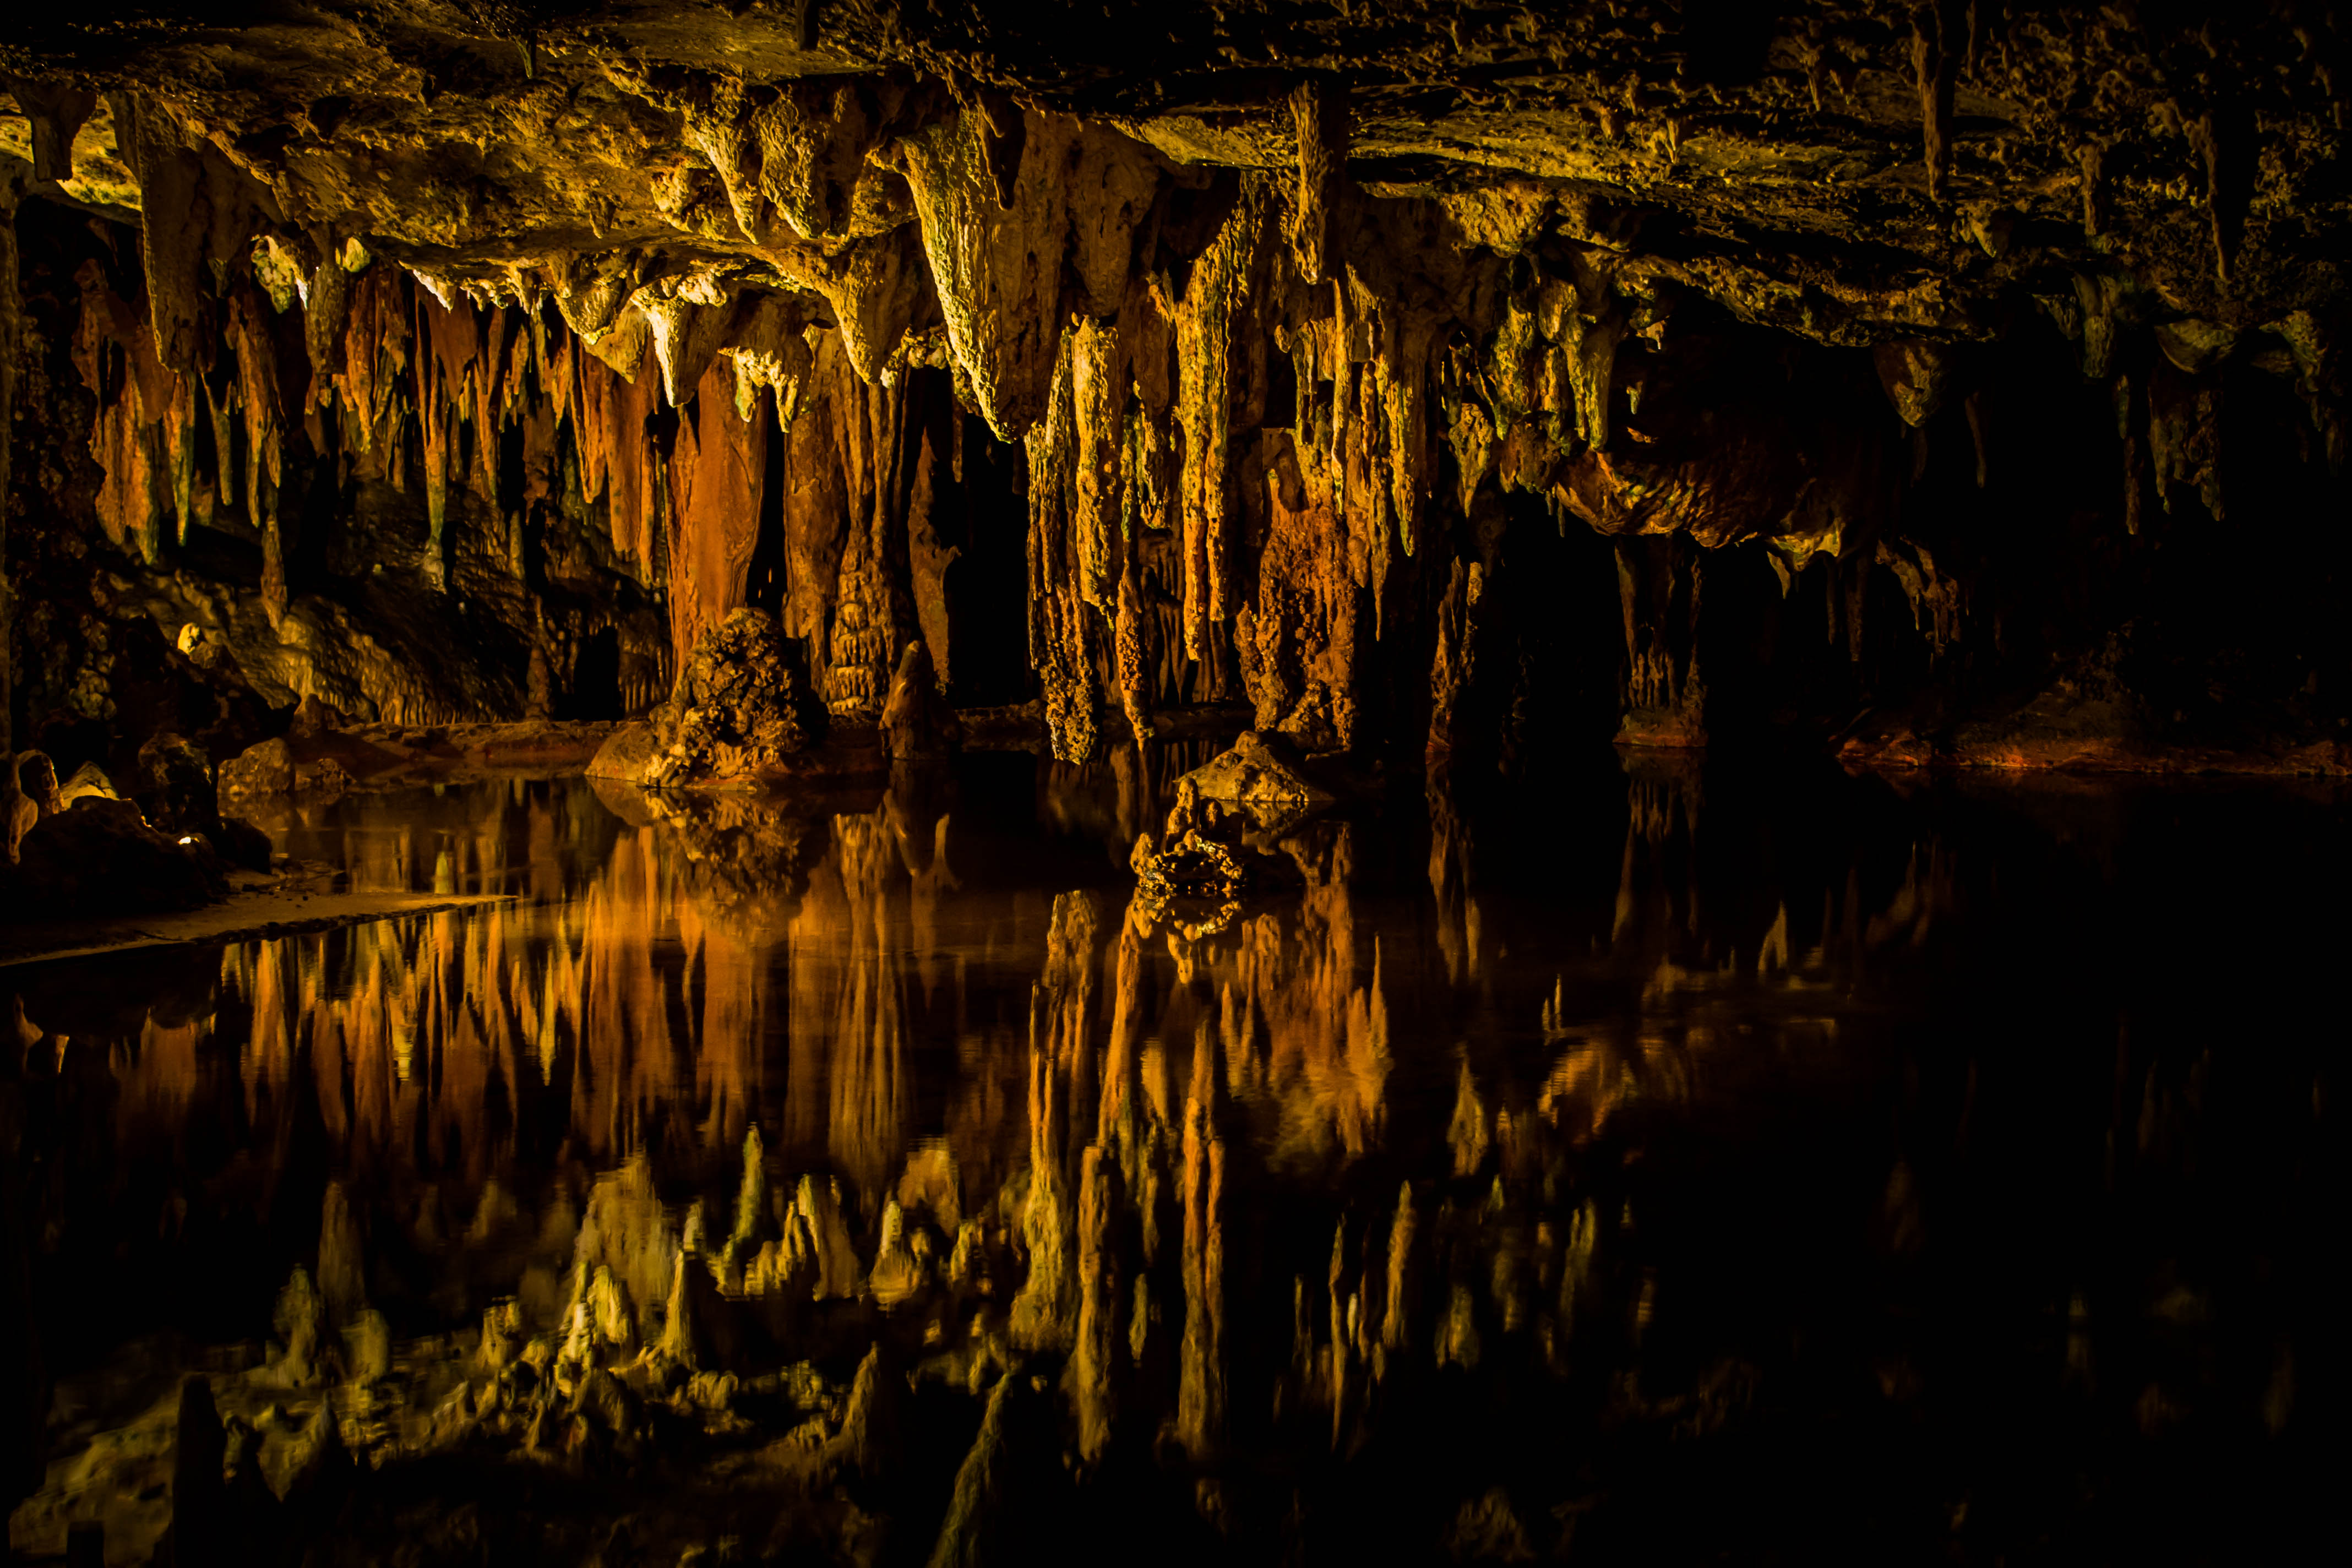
(617, 458)
(877, 449)
(813, 138)
(1454, 665)
(2184, 435)
(1098, 395)
(1060, 635)
(57, 112)
(1592, 331)
(768, 343)
(1297, 640)
(114, 354)
(258, 392)
(997, 266)
(451, 376)
(1936, 49)
(817, 501)
(717, 467)
(380, 325)
(326, 312)
(1318, 117)
(686, 335)
(175, 212)
(1208, 325)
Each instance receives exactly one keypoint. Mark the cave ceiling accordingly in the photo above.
(1850, 173)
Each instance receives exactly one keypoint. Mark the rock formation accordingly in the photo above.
(1906, 363)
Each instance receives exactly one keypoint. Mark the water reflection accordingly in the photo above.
(1521, 1167)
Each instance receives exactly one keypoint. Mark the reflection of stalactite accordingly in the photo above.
(1201, 1392)
(1061, 1013)
(865, 1073)
(1314, 987)
(1098, 1278)
(1450, 867)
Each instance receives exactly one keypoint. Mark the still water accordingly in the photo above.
(1654, 1164)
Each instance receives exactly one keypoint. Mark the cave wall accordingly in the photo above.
(1606, 428)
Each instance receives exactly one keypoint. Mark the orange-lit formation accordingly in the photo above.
(827, 780)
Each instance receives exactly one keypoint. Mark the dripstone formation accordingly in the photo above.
(1933, 383)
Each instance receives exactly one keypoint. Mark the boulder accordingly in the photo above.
(23, 812)
(101, 857)
(172, 785)
(1253, 772)
(626, 753)
(36, 781)
(263, 769)
(278, 767)
(241, 844)
(89, 781)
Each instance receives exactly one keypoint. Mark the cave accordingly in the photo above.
(824, 780)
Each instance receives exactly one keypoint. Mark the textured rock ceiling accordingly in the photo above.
(1844, 171)
(1273, 295)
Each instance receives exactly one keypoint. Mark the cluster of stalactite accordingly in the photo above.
(1258, 410)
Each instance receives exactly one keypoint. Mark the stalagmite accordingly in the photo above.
(839, 1273)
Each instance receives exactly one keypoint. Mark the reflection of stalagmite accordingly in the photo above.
(971, 1523)
(838, 1271)
(628, 1235)
(1396, 1329)
(343, 1264)
(897, 1273)
(1467, 1133)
